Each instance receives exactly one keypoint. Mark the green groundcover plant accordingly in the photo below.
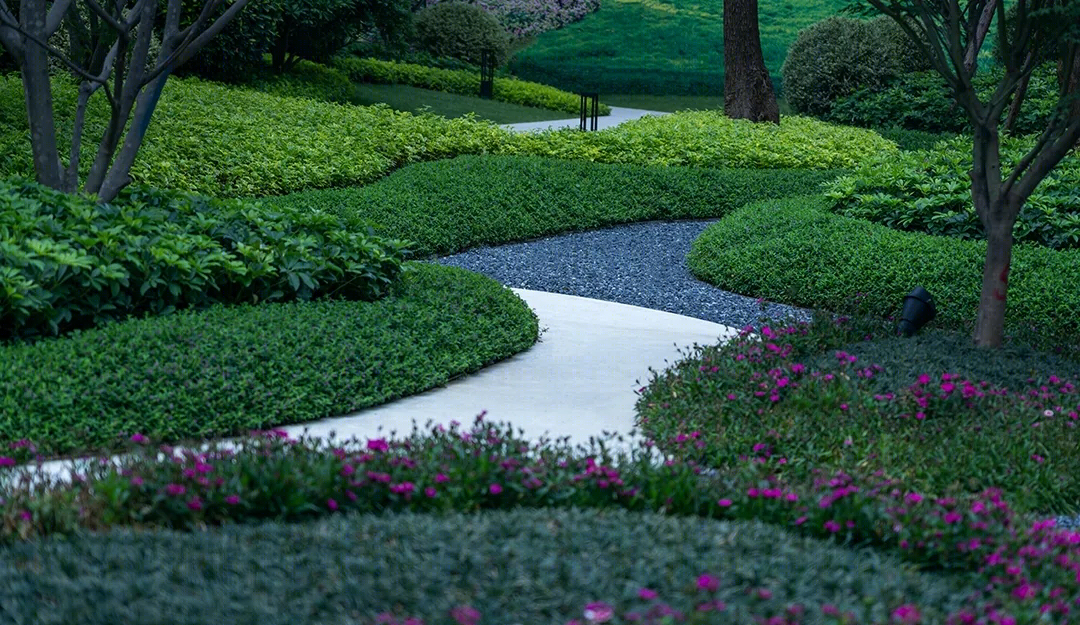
(1021, 568)
(929, 191)
(229, 369)
(795, 251)
(67, 262)
(451, 205)
(229, 142)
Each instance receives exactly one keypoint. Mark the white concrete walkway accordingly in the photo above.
(618, 115)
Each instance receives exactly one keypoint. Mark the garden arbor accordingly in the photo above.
(950, 34)
(109, 50)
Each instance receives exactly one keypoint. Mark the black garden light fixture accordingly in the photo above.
(919, 310)
(589, 99)
(487, 73)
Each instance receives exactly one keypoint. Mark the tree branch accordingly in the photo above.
(981, 28)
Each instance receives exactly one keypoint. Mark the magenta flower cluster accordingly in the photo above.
(524, 18)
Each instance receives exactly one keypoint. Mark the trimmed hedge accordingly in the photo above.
(448, 206)
(463, 82)
(230, 369)
(68, 262)
(304, 80)
(930, 191)
(795, 251)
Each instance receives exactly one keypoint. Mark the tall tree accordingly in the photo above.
(950, 36)
(748, 90)
(108, 50)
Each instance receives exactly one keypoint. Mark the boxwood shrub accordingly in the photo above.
(68, 262)
(447, 206)
(795, 251)
(230, 369)
(930, 191)
(464, 82)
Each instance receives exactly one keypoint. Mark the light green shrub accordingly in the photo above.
(459, 30)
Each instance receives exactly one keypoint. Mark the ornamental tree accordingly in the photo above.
(950, 34)
(109, 50)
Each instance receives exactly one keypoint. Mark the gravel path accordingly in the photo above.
(643, 264)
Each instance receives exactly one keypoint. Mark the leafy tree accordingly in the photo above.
(108, 50)
(748, 91)
(950, 36)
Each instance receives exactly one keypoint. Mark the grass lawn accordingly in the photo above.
(449, 105)
(672, 103)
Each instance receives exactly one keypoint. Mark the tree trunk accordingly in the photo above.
(1071, 84)
(748, 91)
(37, 93)
(990, 324)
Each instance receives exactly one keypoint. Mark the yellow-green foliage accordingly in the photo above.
(709, 139)
(228, 142)
(461, 81)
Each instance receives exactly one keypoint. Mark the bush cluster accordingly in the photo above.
(229, 142)
(711, 139)
(304, 80)
(923, 101)
(768, 396)
(461, 31)
(840, 55)
(797, 252)
(461, 81)
(448, 206)
(229, 369)
(963, 542)
(68, 262)
(930, 191)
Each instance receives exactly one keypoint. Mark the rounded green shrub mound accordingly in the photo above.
(230, 369)
(941, 422)
(68, 262)
(923, 101)
(448, 206)
(929, 191)
(461, 31)
(795, 251)
(839, 55)
(711, 139)
(305, 80)
(513, 566)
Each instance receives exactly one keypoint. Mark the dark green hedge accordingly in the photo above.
(538, 567)
(448, 206)
(795, 251)
(230, 369)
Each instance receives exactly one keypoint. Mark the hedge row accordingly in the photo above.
(305, 80)
(68, 262)
(795, 251)
(451, 205)
(230, 369)
(463, 82)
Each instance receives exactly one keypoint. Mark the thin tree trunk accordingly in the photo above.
(71, 177)
(119, 176)
(1014, 107)
(748, 91)
(37, 93)
(1071, 84)
(990, 324)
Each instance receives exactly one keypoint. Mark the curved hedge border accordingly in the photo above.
(463, 82)
(448, 206)
(228, 370)
(793, 250)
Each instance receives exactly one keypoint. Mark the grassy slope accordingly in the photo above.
(662, 46)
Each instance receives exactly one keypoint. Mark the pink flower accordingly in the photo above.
(175, 490)
(136, 481)
(465, 615)
(598, 612)
(907, 614)
(495, 489)
(647, 594)
(724, 503)
(924, 379)
(430, 491)
(440, 478)
(6, 462)
(195, 504)
(330, 503)
(832, 526)
(378, 444)
(914, 498)
(947, 387)
(139, 439)
(232, 500)
(707, 582)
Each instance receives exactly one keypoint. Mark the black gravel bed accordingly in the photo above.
(642, 264)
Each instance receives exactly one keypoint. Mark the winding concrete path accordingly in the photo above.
(618, 115)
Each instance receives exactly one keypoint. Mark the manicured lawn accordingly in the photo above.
(672, 103)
